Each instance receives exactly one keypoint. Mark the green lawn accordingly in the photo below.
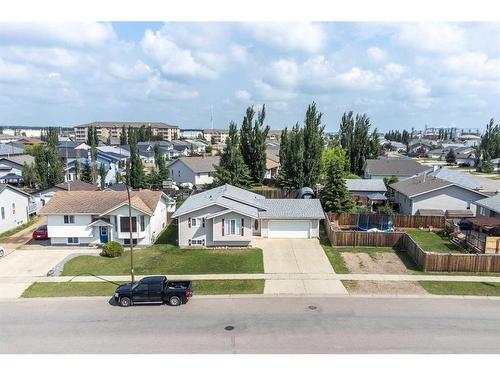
(332, 253)
(461, 288)
(15, 230)
(431, 241)
(166, 258)
(79, 289)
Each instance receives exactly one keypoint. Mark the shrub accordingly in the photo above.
(385, 210)
(112, 249)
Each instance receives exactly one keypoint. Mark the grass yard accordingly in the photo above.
(332, 253)
(15, 230)
(431, 241)
(80, 289)
(461, 288)
(166, 258)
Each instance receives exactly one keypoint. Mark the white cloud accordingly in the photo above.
(376, 54)
(173, 60)
(432, 37)
(243, 96)
(13, 72)
(57, 57)
(268, 92)
(283, 72)
(92, 34)
(138, 71)
(416, 91)
(297, 36)
(474, 64)
(394, 70)
(359, 79)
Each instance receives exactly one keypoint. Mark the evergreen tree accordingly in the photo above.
(161, 167)
(77, 169)
(335, 196)
(313, 146)
(48, 167)
(232, 168)
(86, 174)
(102, 176)
(123, 136)
(291, 175)
(28, 174)
(136, 169)
(253, 143)
(451, 158)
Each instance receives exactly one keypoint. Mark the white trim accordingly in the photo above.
(175, 214)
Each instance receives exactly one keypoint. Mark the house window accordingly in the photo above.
(143, 223)
(197, 242)
(69, 219)
(73, 240)
(468, 203)
(124, 224)
(195, 222)
(233, 227)
(126, 241)
(13, 208)
(256, 224)
(3, 213)
(179, 173)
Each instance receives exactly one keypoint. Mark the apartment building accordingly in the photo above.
(113, 129)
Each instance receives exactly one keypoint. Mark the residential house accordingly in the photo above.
(196, 170)
(230, 216)
(14, 207)
(489, 207)
(97, 217)
(429, 192)
(11, 168)
(10, 149)
(191, 133)
(43, 196)
(477, 183)
(418, 149)
(402, 168)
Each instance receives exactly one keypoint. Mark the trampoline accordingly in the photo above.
(374, 223)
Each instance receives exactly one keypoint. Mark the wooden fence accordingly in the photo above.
(275, 193)
(426, 261)
(398, 221)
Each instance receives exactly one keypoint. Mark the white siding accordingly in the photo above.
(12, 220)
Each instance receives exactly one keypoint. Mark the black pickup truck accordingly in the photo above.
(154, 289)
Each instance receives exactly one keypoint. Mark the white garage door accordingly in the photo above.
(289, 229)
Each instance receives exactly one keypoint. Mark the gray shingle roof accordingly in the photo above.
(357, 184)
(199, 164)
(394, 167)
(491, 203)
(253, 205)
(292, 209)
(20, 159)
(419, 185)
(467, 180)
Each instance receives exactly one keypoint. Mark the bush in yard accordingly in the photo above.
(112, 249)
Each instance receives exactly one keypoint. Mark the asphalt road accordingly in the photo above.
(261, 325)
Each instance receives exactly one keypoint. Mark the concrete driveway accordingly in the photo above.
(297, 256)
(20, 265)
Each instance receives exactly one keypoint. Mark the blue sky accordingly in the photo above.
(402, 75)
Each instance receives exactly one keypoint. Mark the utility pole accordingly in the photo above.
(130, 231)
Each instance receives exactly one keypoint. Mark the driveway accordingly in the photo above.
(21, 238)
(17, 267)
(294, 256)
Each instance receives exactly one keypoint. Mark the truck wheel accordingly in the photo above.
(125, 302)
(174, 301)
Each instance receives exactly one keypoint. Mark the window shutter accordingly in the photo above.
(222, 227)
(203, 222)
(242, 226)
(189, 223)
(203, 242)
(189, 242)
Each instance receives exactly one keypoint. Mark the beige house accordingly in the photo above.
(114, 129)
(230, 216)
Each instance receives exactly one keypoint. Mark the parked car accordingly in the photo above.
(41, 233)
(154, 289)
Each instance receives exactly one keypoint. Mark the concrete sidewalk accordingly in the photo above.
(261, 276)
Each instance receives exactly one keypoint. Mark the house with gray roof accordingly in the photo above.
(402, 168)
(483, 184)
(425, 192)
(365, 187)
(489, 207)
(196, 170)
(230, 216)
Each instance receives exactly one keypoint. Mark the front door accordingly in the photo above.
(104, 234)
